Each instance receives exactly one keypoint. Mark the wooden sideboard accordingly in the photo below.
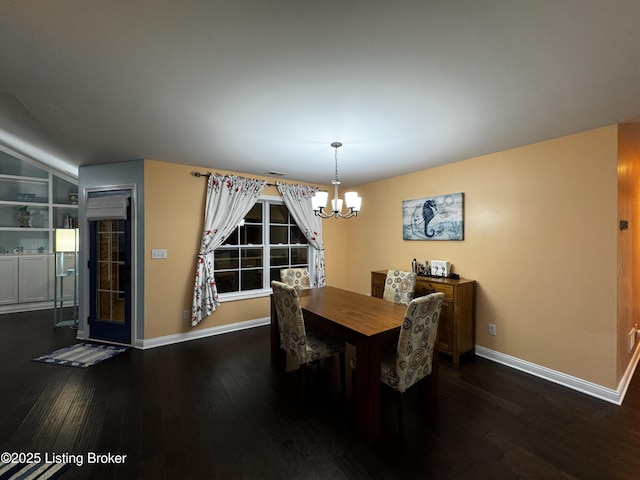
(456, 332)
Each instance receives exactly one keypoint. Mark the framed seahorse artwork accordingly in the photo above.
(434, 218)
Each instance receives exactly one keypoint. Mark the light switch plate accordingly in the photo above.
(159, 253)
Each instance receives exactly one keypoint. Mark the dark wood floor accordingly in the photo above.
(216, 408)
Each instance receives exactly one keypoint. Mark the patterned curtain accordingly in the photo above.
(229, 199)
(297, 198)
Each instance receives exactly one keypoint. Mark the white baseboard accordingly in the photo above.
(195, 334)
(574, 383)
(589, 388)
(26, 307)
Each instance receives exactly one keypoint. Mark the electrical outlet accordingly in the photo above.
(186, 314)
(492, 329)
(159, 253)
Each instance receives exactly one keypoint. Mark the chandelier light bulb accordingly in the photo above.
(351, 199)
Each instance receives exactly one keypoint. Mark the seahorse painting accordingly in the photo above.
(434, 218)
(428, 212)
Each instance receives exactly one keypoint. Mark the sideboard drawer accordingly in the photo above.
(438, 287)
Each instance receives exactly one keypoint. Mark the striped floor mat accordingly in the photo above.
(32, 471)
(81, 355)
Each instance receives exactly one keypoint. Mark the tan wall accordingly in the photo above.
(174, 211)
(628, 240)
(541, 233)
(540, 239)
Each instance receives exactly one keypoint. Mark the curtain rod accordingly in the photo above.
(208, 174)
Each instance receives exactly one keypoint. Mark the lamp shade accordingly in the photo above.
(66, 240)
(353, 201)
(319, 200)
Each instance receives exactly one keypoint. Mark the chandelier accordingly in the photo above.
(351, 199)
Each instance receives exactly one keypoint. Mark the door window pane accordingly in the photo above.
(110, 271)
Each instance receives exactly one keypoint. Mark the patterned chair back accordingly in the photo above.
(296, 277)
(416, 344)
(290, 320)
(399, 286)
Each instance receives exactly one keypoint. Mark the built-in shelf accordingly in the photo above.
(34, 201)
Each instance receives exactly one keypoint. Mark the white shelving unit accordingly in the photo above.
(34, 201)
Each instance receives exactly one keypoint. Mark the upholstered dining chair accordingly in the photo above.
(411, 360)
(296, 277)
(399, 286)
(305, 345)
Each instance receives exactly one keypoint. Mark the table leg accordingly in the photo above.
(368, 389)
(275, 334)
(435, 374)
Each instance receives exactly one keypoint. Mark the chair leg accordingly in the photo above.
(425, 394)
(353, 389)
(400, 410)
(343, 374)
(302, 383)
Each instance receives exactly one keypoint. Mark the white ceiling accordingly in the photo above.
(259, 86)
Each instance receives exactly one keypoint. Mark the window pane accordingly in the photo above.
(279, 214)
(251, 235)
(224, 259)
(297, 237)
(232, 239)
(279, 256)
(251, 258)
(278, 234)
(299, 255)
(251, 279)
(227, 282)
(275, 274)
(255, 214)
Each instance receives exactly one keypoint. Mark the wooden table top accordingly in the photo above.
(361, 313)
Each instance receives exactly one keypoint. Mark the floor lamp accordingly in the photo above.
(66, 241)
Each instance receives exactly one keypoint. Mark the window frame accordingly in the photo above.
(265, 291)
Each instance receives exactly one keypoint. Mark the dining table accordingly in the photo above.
(368, 323)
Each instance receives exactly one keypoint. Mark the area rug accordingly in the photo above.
(35, 471)
(81, 355)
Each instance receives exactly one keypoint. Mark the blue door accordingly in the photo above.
(110, 280)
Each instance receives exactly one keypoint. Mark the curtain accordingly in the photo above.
(297, 198)
(229, 199)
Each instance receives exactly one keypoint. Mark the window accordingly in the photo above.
(266, 241)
